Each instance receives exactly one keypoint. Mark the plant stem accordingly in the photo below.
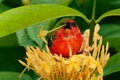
(92, 24)
(55, 29)
(93, 10)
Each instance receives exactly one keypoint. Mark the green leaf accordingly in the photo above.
(5, 75)
(21, 17)
(9, 41)
(33, 32)
(115, 12)
(113, 65)
(30, 35)
(62, 2)
(111, 34)
(24, 39)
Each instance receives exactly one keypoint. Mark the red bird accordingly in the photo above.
(66, 38)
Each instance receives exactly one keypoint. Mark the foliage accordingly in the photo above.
(13, 76)
(27, 20)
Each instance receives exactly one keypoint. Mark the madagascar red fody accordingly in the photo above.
(66, 38)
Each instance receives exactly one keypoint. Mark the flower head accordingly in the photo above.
(86, 66)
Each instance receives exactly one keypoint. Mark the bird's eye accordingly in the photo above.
(73, 24)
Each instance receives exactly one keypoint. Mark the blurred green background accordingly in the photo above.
(12, 46)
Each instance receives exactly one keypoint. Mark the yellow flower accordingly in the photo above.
(86, 66)
(42, 34)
